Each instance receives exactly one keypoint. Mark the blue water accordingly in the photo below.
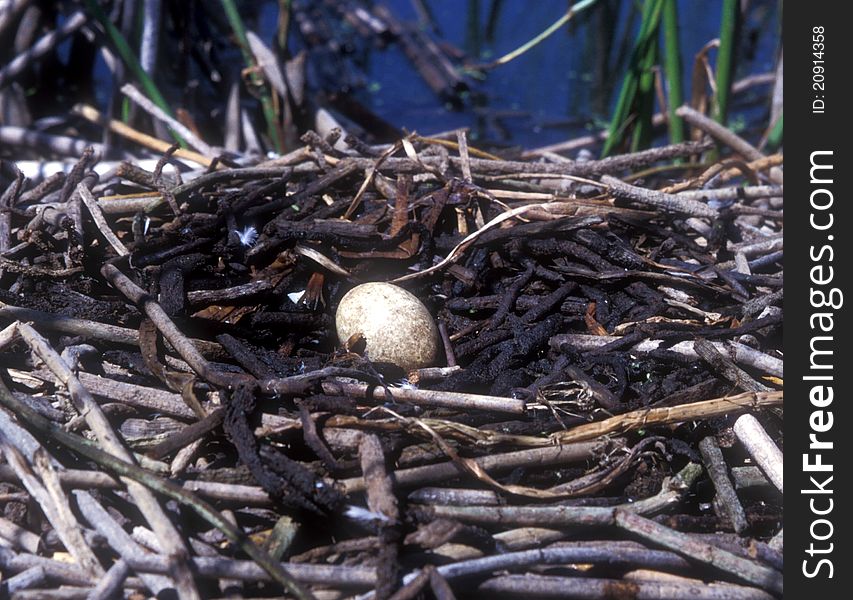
(543, 97)
(547, 94)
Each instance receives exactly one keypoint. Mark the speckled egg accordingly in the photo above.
(396, 326)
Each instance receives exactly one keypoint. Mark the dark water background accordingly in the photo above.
(564, 87)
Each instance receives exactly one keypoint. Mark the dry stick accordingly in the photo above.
(613, 554)
(462, 139)
(760, 447)
(377, 483)
(155, 111)
(227, 294)
(538, 457)
(724, 366)
(56, 509)
(740, 353)
(742, 568)
(100, 221)
(132, 474)
(719, 132)
(138, 396)
(566, 516)
(439, 586)
(97, 421)
(224, 492)
(90, 329)
(448, 345)
(44, 45)
(9, 333)
(11, 135)
(649, 417)
(51, 593)
(457, 400)
(661, 200)
(411, 589)
(18, 537)
(726, 501)
(748, 477)
(117, 538)
(594, 588)
(481, 166)
(42, 465)
(167, 327)
(26, 579)
(671, 492)
(92, 114)
(760, 246)
(752, 192)
(381, 500)
(109, 586)
(225, 568)
(59, 572)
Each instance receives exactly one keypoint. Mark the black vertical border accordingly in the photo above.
(806, 132)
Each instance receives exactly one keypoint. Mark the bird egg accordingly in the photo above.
(396, 326)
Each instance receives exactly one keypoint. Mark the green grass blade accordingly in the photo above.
(672, 70)
(774, 139)
(729, 24)
(638, 78)
(129, 59)
(239, 30)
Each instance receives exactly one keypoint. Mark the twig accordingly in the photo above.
(719, 132)
(44, 45)
(723, 365)
(660, 535)
(538, 457)
(741, 568)
(59, 572)
(345, 576)
(223, 492)
(726, 501)
(760, 447)
(135, 477)
(649, 417)
(594, 588)
(661, 200)
(751, 192)
(56, 509)
(92, 114)
(98, 217)
(740, 353)
(11, 135)
(147, 398)
(26, 579)
(109, 586)
(145, 104)
(158, 316)
(18, 537)
(117, 538)
(471, 238)
(427, 397)
(97, 421)
(381, 501)
(672, 491)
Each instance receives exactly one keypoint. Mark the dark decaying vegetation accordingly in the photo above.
(179, 418)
